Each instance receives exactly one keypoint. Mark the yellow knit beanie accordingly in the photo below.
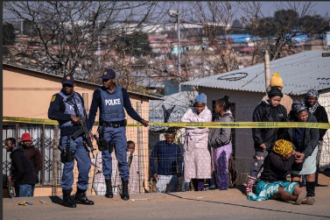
(283, 147)
(276, 80)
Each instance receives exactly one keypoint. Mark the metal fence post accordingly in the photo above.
(54, 188)
(140, 151)
(43, 145)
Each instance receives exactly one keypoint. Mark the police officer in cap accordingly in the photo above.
(62, 108)
(112, 99)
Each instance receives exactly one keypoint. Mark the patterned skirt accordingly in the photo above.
(266, 190)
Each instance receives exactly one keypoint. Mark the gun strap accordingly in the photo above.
(75, 107)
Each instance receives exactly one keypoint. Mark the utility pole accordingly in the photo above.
(22, 27)
(176, 14)
(179, 51)
(267, 71)
(98, 43)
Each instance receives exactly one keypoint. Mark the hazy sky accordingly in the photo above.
(319, 8)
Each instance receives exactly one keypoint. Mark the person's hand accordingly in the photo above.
(10, 181)
(155, 176)
(75, 119)
(263, 146)
(145, 123)
(296, 155)
(300, 158)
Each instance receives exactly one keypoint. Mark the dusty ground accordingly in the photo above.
(212, 204)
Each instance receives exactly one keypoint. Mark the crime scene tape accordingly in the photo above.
(193, 124)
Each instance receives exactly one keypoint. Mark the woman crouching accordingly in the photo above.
(273, 183)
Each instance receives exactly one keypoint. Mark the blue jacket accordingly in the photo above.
(169, 159)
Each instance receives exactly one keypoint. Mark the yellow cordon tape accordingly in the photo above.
(194, 124)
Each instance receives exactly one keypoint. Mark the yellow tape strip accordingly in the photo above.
(34, 120)
(245, 124)
(194, 124)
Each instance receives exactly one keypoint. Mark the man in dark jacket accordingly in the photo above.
(32, 153)
(264, 138)
(22, 170)
(169, 163)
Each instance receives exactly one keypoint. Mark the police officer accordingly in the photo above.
(62, 108)
(112, 99)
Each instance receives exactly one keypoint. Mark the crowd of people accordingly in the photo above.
(279, 152)
(25, 165)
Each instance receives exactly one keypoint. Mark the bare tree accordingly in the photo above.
(71, 33)
(216, 18)
(290, 20)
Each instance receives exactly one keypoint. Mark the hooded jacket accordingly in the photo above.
(264, 112)
(23, 171)
(219, 137)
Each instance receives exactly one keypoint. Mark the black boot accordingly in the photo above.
(80, 198)
(108, 193)
(125, 195)
(67, 201)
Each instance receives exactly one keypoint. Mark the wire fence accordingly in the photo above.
(153, 154)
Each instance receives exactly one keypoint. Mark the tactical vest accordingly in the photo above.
(112, 107)
(69, 107)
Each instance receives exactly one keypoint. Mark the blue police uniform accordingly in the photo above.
(112, 124)
(61, 108)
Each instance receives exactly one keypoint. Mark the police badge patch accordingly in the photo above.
(53, 98)
(105, 73)
(68, 78)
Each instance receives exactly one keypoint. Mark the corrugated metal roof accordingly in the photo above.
(300, 72)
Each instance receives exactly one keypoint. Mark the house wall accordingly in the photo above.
(245, 103)
(28, 94)
(324, 100)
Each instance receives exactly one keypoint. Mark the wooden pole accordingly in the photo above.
(267, 70)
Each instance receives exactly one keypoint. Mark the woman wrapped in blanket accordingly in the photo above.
(273, 184)
(305, 141)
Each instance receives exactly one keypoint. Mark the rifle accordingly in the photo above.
(83, 128)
